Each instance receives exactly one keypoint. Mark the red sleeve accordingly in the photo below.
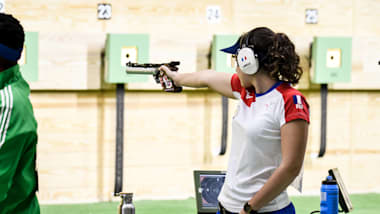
(295, 104)
(235, 83)
(296, 108)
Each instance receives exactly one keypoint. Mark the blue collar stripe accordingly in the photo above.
(9, 53)
(271, 89)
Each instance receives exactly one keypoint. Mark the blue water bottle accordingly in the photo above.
(329, 196)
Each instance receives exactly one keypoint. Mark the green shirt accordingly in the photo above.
(18, 141)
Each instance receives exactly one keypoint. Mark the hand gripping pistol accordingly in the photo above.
(159, 76)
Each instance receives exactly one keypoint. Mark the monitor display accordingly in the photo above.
(208, 185)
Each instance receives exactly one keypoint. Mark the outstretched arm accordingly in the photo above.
(217, 81)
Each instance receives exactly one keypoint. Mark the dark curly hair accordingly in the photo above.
(276, 54)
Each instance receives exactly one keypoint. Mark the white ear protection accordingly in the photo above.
(247, 59)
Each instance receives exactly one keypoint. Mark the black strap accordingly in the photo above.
(322, 148)
(119, 139)
(223, 146)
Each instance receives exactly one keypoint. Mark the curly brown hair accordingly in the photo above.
(276, 54)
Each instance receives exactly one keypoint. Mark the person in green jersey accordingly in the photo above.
(18, 127)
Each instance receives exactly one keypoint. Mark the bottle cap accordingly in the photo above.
(329, 180)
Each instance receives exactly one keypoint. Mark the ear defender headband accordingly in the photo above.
(246, 58)
(9, 53)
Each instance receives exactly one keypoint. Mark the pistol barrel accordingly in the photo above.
(141, 70)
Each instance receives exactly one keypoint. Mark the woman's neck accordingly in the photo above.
(262, 82)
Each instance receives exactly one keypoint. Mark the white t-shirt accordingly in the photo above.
(256, 142)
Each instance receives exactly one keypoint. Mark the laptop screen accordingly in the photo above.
(208, 184)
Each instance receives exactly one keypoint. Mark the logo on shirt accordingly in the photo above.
(297, 101)
(248, 96)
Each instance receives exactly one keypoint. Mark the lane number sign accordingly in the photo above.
(311, 16)
(213, 14)
(104, 11)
